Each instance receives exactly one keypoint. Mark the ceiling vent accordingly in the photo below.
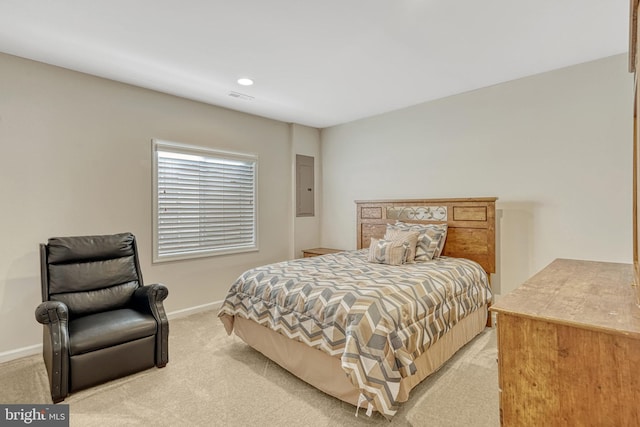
(241, 96)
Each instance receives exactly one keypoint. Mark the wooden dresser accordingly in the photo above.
(569, 347)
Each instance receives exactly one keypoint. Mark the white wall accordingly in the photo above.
(555, 148)
(75, 159)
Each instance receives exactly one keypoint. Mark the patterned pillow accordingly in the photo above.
(411, 237)
(430, 240)
(443, 239)
(388, 251)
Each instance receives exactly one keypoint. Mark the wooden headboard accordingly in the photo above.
(471, 224)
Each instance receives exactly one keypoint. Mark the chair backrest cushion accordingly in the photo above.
(92, 273)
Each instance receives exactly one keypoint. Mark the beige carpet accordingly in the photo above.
(216, 380)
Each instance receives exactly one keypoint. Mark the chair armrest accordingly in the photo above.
(50, 312)
(149, 300)
(54, 315)
(147, 296)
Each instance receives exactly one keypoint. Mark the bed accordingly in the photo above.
(364, 332)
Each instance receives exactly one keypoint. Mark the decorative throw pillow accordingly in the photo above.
(444, 228)
(387, 251)
(411, 237)
(430, 238)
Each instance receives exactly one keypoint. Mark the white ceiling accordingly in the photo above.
(317, 63)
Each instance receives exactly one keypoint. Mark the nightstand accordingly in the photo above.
(307, 253)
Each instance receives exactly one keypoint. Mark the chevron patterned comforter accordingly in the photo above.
(376, 318)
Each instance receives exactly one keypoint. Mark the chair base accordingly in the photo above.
(96, 367)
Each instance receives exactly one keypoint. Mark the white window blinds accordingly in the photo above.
(205, 202)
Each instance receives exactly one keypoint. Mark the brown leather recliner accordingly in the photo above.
(100, 322)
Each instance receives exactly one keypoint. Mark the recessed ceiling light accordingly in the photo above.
(245, 81)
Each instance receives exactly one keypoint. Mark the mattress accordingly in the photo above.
(376, 319)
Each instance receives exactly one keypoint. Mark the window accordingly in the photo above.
(204, 202)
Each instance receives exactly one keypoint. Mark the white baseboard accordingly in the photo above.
(193, 310)
(7, 356)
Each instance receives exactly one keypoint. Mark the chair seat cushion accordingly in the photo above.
(108, 328)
